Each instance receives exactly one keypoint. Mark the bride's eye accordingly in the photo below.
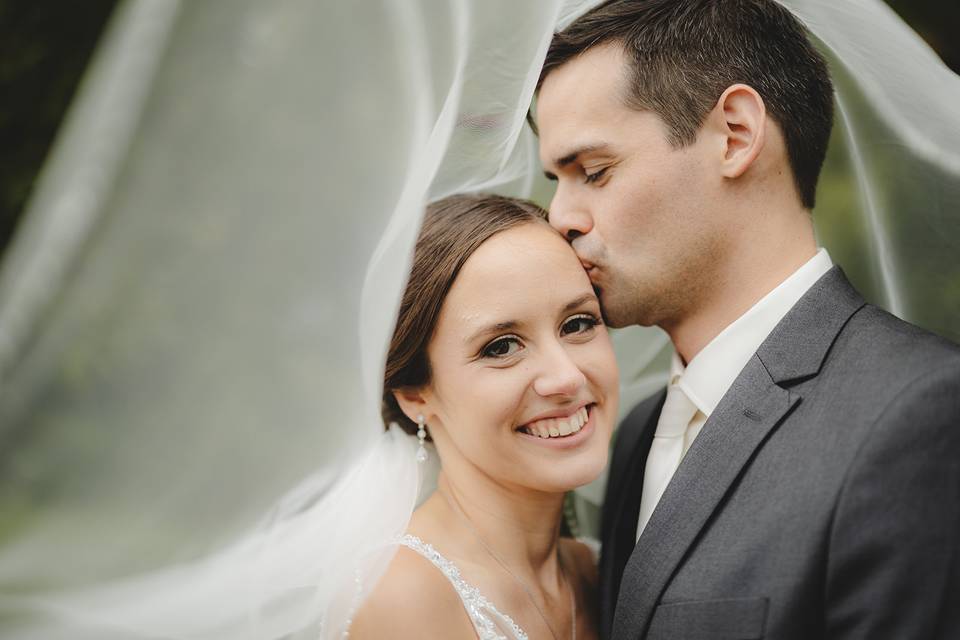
(579, 324)
(502, 347)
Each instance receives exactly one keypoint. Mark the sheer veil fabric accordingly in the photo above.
(195, 311)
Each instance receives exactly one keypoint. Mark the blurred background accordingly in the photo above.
(45, 47)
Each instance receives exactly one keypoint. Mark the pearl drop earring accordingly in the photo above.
(421, 436)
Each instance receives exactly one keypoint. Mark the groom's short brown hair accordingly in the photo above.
(685, 53)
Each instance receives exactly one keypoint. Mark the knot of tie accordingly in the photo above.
(678, 410)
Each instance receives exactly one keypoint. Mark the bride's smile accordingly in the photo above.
(557, 424)
(555, 433)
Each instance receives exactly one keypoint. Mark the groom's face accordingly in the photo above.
(636, 210)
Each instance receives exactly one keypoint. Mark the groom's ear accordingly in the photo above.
(741, 119)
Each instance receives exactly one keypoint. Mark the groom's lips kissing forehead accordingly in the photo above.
(591, 268)
(589, 264)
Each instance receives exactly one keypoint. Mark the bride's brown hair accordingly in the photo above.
(453, 228)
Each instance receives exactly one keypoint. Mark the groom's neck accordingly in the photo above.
(762, 258)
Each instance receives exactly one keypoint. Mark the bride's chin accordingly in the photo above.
(571, 476)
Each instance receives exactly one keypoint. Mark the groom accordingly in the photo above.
(799, 477)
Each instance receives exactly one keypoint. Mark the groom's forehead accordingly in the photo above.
(577, 103)
(596, 74)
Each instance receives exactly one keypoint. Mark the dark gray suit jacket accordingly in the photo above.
(820, 500)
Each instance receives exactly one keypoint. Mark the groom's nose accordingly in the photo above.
(568, 216)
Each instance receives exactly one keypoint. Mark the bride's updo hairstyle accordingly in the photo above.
(453, 228)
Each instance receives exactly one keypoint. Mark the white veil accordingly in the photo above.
(195, 310)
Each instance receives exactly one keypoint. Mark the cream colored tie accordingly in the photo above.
(666, 451)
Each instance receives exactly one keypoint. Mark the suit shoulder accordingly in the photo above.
(890, 333)
(885, 347)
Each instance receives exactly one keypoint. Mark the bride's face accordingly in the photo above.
(524, 381)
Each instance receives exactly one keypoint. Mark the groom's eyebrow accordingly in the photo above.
(573, 155)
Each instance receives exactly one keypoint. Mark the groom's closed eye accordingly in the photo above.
(574, 155)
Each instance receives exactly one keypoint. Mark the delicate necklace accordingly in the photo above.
(455, 507)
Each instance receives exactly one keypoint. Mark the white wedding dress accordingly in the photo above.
(488, 621)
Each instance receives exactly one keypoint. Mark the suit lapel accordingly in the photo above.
(752, 408)
(741, 422)
(636, 447)
(619, 528)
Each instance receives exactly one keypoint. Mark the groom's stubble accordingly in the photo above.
(663, 292)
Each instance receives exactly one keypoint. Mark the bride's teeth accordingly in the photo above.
(556, 427)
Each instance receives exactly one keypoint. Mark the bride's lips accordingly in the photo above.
(568, 441)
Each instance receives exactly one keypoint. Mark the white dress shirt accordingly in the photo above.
(711, 373)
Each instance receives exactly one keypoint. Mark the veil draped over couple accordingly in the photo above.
(288, 259)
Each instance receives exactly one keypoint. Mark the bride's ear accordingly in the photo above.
(412, 402)
(741, 119)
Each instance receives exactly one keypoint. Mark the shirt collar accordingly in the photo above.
(711, 373)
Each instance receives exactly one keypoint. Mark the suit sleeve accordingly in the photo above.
(894, 564)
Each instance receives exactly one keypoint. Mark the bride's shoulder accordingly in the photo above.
(413, 599)
(582, 557)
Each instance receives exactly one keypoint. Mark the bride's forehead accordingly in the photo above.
(519, 257)
(519, 275)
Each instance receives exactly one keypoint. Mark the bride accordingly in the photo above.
(499, 356)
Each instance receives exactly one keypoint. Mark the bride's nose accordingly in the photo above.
(559, 375)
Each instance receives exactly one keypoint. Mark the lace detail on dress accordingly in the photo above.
(489, 623)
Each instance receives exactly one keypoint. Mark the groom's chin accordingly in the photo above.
(621, 318)
(608, 319)
(610, 316)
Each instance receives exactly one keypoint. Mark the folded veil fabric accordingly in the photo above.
(195, 310)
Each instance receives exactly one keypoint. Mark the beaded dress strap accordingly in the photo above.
(483, 614)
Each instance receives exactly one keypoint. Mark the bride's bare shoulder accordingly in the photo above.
(413, 599)
(583, 557)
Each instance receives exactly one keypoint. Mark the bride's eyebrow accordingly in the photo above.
(510, 325)
(585, 298)
(493, 328)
